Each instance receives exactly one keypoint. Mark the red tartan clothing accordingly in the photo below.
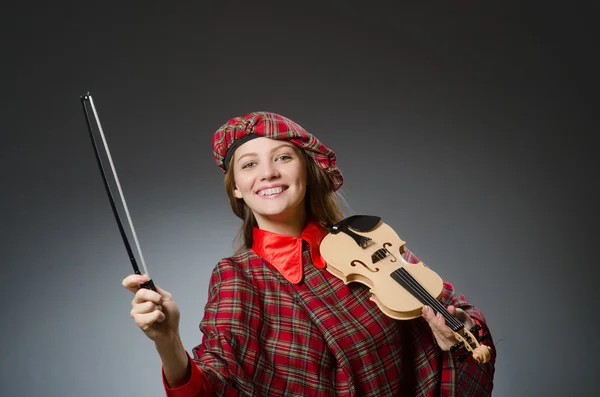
(264, 336)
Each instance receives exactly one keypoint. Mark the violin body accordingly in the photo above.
(351, 263)
(363, 249)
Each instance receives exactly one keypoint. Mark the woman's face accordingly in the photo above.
(270, 176)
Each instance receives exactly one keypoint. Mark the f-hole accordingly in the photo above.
(354, 262)
(386, 245)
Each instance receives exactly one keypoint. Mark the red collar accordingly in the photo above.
(285, 252)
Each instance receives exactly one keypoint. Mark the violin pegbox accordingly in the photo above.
(467, 340)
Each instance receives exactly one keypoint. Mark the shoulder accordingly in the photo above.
(233, 265)
(231, 277)
(233, 296)
(234, 268)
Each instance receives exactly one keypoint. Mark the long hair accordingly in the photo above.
(320, 201)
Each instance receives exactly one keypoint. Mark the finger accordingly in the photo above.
(440, 323)
(133, 281)
(144, 308)
(436, 321)
(461, 315)
(424, 313)
(147, 320)
(428, 313)
(439, 327)
(464, 317)
(144, 294)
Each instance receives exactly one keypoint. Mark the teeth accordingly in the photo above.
(268, 192)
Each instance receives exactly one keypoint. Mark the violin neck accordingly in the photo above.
(404, 278)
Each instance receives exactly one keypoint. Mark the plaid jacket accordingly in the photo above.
(263, 336)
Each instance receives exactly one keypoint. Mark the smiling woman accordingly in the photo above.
(270, 178)
(276, 322)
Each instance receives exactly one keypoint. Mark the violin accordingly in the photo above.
(363, 249)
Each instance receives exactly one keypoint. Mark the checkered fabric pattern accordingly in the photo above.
(263, 336)
(274, 126)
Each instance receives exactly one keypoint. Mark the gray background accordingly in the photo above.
(467, 128)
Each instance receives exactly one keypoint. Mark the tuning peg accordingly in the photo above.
(475, 329)
(483, 337)
(456, 347)
(467, 337)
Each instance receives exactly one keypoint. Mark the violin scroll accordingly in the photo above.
(481, 353)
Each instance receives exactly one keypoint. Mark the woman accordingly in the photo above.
(277, 323)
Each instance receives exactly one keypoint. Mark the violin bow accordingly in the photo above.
(88, 100)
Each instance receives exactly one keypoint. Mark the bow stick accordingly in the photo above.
(87, 99)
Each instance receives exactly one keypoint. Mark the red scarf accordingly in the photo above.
(285, 252)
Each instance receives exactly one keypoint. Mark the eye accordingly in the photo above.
(248, 164)
(284, 157)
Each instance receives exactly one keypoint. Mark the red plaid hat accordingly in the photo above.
(270, 125)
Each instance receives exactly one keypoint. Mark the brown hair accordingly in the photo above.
(321, 202)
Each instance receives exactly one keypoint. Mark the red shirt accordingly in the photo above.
(266, 336)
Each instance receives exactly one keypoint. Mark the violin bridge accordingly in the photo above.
(378, 255)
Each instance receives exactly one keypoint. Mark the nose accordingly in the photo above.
(269, 171)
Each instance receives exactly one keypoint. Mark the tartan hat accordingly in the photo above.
(239, 130)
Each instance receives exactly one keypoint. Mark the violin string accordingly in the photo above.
(137, 244)
(422, 293)
(430, 300)
(433, 301)
(418, 289)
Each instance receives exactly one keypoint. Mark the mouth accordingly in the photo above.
(271, 192)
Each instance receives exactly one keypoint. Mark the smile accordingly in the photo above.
(271, 191)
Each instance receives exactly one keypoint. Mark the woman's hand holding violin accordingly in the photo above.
(443, 334)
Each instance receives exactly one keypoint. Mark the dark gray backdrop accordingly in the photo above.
(467, 128)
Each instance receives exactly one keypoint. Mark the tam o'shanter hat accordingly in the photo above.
(241, 129)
